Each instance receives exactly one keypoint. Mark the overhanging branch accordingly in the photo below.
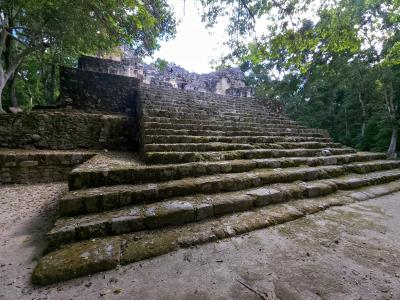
(244, 3)
(17, 61)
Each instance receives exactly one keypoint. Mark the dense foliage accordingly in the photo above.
(335, 64)
(38, 35)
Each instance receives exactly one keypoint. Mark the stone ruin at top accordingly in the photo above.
(229, 82)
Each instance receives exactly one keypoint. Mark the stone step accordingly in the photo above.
(193, 208)
(207, 117)
(199, 147)
(208, 112)
(236, 127)
(293, 132)
(183, 157)
(227, 105)
(202, 147)
(306, 145)
(101, 254)
(83, 177)
(110, 197)
(215, 121)
(163, 139)
(218, 111)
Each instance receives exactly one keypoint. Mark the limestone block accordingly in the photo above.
(78, 259)
(169, 213)
(147, 247)
(125, 224)
(28, 163)
(204, 210)
(229, 203)
(60, 235)
(265, 196)
(96, 228)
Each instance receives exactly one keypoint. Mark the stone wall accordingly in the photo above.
(148, 92)
(102, 91)
(19, 166)
(68, 130)
(126, 67)
(95, 91)
(225, 82)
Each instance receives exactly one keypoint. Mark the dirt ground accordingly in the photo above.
(350, 252)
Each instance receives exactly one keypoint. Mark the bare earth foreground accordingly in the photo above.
(350, 252)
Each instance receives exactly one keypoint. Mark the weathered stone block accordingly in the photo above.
(58, 236)
(28, 163)
(78, 260)
(147, 247)
(204, 210)
(229, 203)
(265, 196)
(169, 213)
(71, 206)
(125, 224)
(92, 229)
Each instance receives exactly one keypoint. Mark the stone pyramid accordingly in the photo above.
(212, 167)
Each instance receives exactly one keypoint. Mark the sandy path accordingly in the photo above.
(349, 252)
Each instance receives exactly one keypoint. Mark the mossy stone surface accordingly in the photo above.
(147, 247)
(78, 260)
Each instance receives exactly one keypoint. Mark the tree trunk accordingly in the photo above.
(5, 74)
(2, 85)
(51, 85)
(2, 111)
(12, 82)
(346, 122)
(391, 153)
(364, 115)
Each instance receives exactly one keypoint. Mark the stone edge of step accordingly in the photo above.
(194, 208)
(96, 255)
(86, 178)
(106, 198)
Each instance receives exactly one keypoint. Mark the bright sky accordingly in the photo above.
(194, 46)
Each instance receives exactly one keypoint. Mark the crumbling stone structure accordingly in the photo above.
(226, 82)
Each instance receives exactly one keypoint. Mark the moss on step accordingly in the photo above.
(87, 176)
(89, 257)
(105, 198)
(77, 260)
(137, 249)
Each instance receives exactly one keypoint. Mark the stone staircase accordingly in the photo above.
(210, 170)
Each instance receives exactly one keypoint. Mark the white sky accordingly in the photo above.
(194, 46)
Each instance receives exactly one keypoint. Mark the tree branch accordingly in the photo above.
(17, 12)
(4, 34)
(17, 61)
(243, 2)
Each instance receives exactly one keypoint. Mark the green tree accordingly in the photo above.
(334, 64)
(69, 27)
(161, 64)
